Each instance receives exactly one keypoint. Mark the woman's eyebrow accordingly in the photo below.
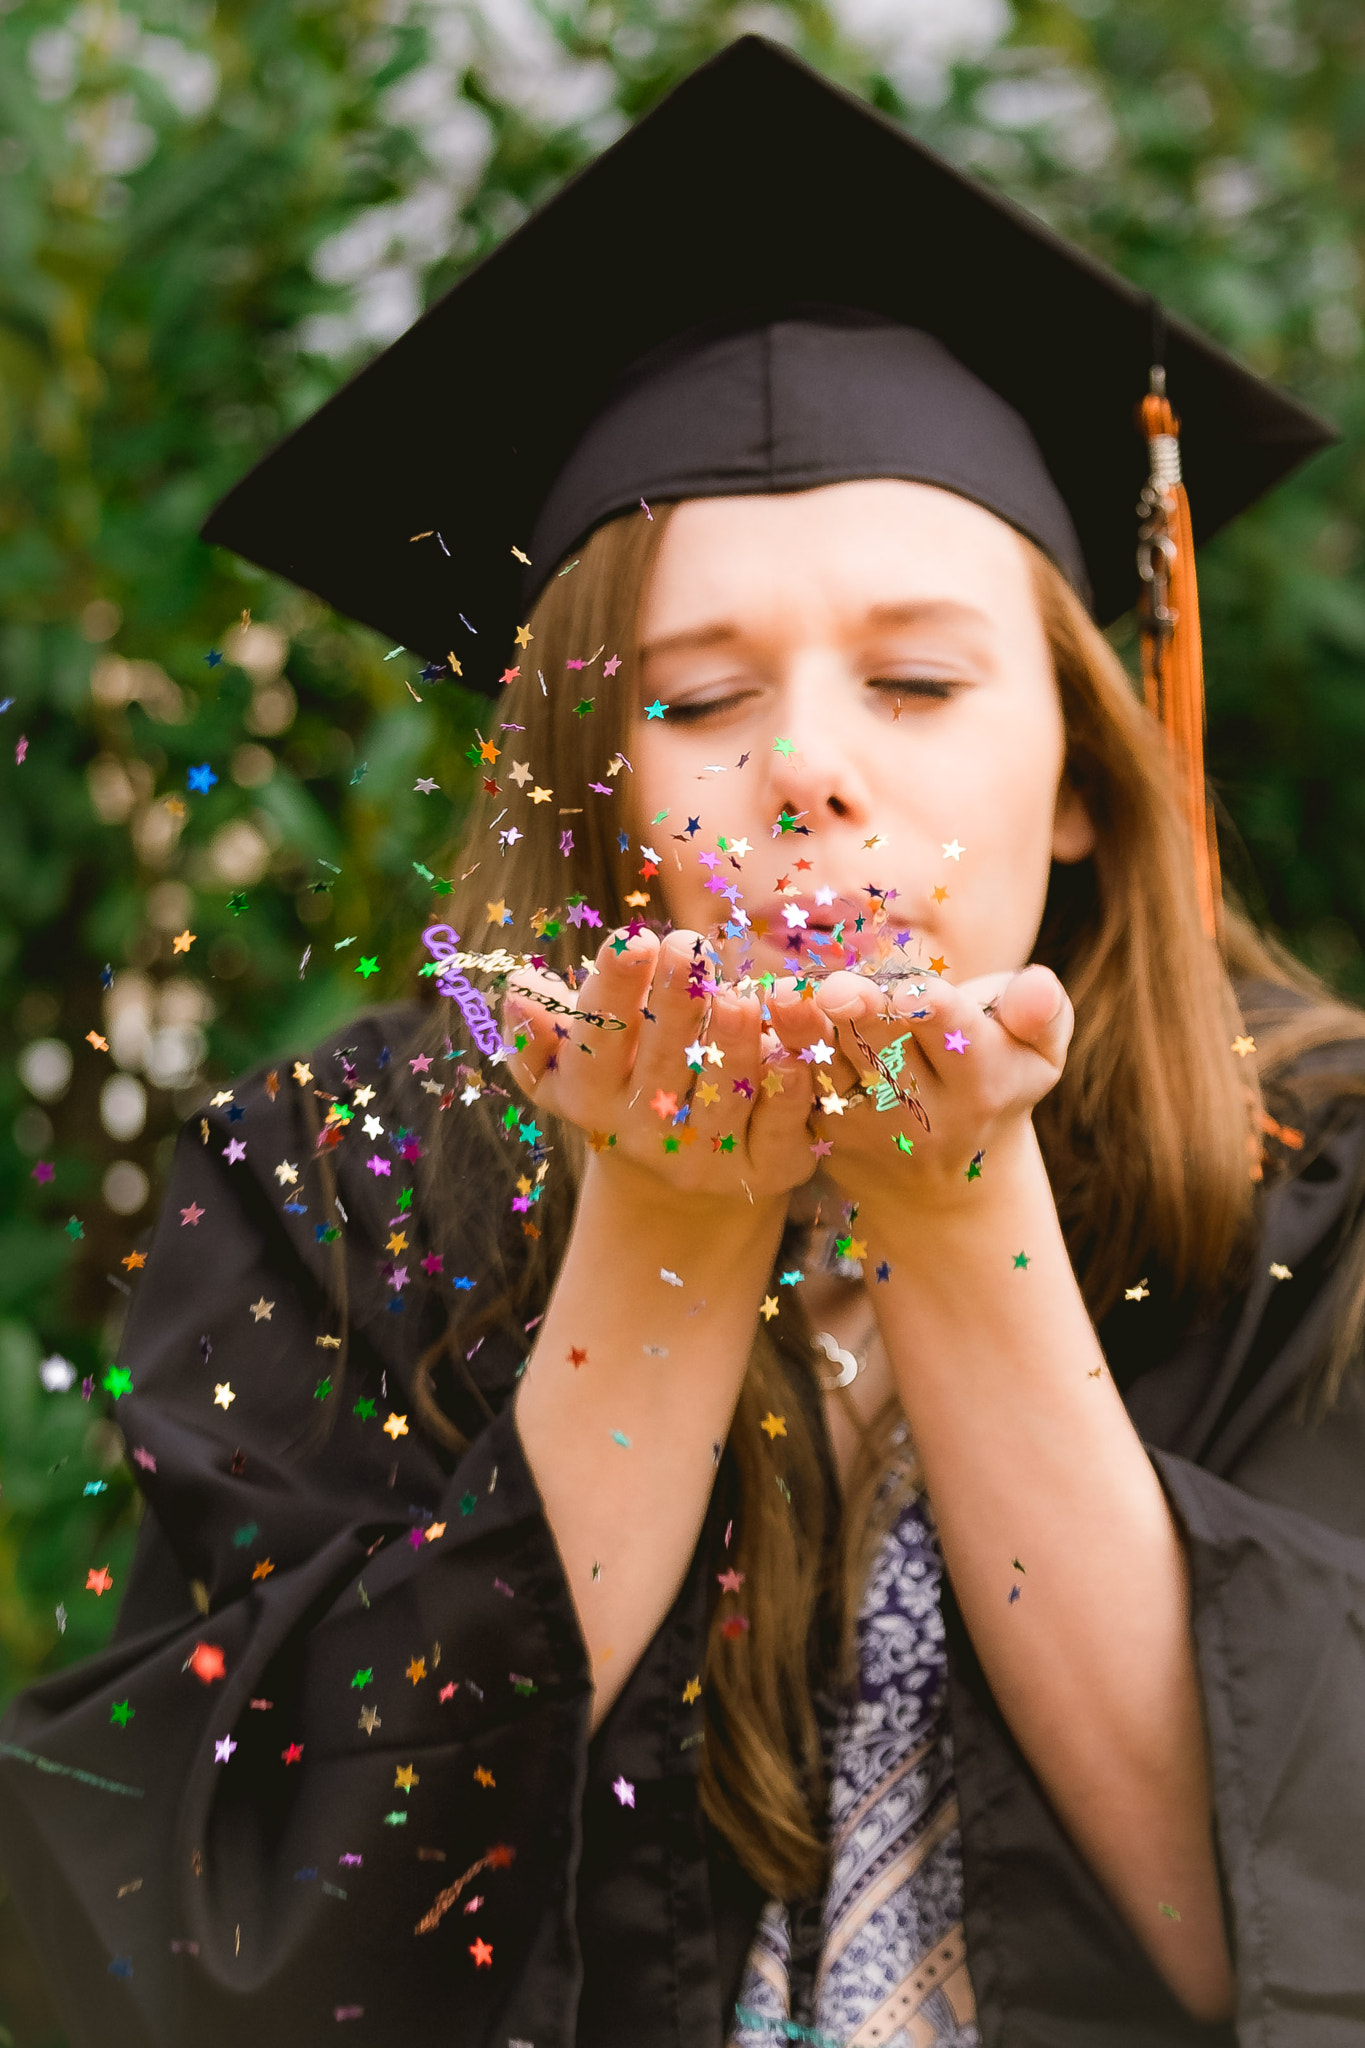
(919, 611)
(926, 611)
(692, 636)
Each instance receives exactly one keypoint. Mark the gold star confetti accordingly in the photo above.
(1138, 1293)
(223, 1396)
(691, 1691)
(261, 1309)
(776, 1425)
(769, 1307)
(1242, 1046)
(404, 1778)
(1279, 1272)
(182, 941)
(417, 1670)
(396, 1426)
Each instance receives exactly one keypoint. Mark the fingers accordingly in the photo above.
(548, 1021)
(672, 1016)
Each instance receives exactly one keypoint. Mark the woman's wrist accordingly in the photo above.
(613, 1182)
(949, 1214)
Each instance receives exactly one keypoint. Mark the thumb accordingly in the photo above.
(1035, 1009)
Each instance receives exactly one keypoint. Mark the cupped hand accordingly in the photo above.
(979, 1056)
(656, 1065)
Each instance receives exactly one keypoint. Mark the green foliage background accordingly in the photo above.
(210, 214)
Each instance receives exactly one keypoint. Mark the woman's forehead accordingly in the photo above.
(872, 546)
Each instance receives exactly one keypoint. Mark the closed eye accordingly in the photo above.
(693, 711)
(927, 689)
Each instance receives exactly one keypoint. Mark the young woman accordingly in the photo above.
(815, 1493)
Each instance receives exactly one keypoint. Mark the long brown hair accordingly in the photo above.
(1151, 1137)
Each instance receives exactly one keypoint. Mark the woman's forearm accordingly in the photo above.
(630, 1391)
(1061, 1550)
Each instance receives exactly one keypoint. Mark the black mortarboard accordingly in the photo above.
(668, 324)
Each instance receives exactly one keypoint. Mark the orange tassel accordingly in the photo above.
(1172, 651)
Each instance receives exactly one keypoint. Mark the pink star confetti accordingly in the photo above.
(954, 1041)
(624, 1791)
(234, 1151)
(190, 1215)
(378, 1164)
(222, 1749)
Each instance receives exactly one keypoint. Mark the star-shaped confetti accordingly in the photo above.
(223, 1747)
(223, 1396)
(1243, 1045)
(120, 1713)
(207, 1663)
(182, 941)
(1138, 1293)
(625, 1791)
(1020, 1261)
(775, 1425)
(202, 779)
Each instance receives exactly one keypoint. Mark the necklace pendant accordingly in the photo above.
(836, 1354)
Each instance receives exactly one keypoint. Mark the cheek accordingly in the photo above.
(1013, 769)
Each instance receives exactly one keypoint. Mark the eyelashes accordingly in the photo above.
(925, 689)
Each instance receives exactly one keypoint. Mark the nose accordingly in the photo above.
(815, 768)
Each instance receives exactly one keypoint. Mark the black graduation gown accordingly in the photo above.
(407, 1705)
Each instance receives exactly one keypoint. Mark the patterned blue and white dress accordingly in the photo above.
(881, 1961)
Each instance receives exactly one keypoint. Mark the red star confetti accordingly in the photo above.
(98, 1581)
(206, 1662)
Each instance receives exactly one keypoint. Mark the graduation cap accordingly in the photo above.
(767, 285)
